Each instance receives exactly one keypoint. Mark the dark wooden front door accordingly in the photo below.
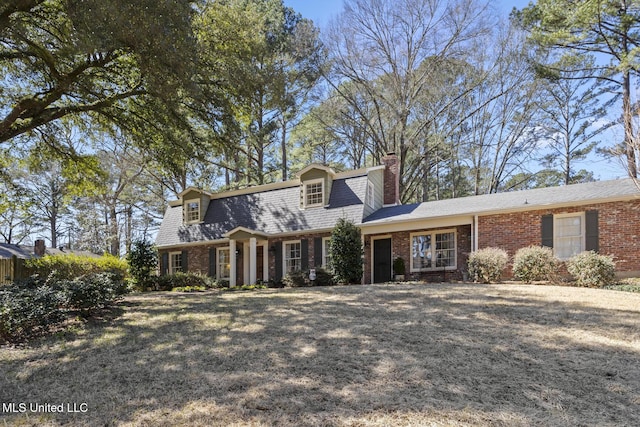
(381, 260)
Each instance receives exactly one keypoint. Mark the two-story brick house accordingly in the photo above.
(262, 232)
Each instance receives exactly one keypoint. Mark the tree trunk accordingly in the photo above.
(628, 126)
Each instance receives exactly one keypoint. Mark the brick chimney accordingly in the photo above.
(391, 179)
(39, 247)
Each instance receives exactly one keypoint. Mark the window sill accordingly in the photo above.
(436, 269)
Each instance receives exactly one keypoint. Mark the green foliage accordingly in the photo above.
(142, 260)
(296, 279)
(184, 280)
(398, 266)
(486, 265)
(34, 305)
(534, 263)
(189, 289)
(246, 287)
(592, 270)
(68, 267)
(299, 279)
(346, 252)
(27, 311)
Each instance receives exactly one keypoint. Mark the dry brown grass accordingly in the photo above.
(412, 355)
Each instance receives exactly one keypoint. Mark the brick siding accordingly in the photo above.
(618, 230)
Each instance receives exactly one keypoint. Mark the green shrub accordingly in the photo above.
(486, 265)
(90, 292)
(295, 279)
(142, 260)
(26, 311)
(68, 267)
(398, 266)
(189, 289)
(534, 263)
(346, 252)
(592, 270)
(323, 278)
(183, 280)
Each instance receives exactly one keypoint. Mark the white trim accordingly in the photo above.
(198, 202)
(246, 230)
(476, 234)
(316, 166)
(234, 263)
(218, 250)
(171, 262)
(284, 254)
(416, 224)
(324, 252)
(371, 194)
(583, 232)
(305, 184)
(433, 249)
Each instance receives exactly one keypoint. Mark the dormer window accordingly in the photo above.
(192, 210)
(314, 193)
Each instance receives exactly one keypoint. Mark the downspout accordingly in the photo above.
(475, 234)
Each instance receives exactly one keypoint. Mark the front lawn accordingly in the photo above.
(464, 354)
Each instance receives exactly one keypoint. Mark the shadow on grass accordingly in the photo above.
(470, 354)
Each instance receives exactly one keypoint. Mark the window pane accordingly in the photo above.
(314, 194)
(445, 250)
(176, 263)
(568, 236)
(292, 257)
(193, 211)
(421, 251)
(224, 264)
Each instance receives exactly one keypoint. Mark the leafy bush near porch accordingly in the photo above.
(486, 265)
(346, 252)
(184, 280)
(299, 279)
(534, 263)
(592, 270)
(69, 267)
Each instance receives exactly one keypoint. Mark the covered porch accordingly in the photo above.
(252, 246)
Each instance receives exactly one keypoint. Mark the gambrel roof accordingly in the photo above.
(267, 210)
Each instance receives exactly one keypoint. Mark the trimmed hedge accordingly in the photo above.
(534, 263)
(486, 265)
(69, 267)
(592, 270)
(185, 280)
(299, 279)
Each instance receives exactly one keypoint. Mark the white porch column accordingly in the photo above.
(253, 264)
(245, 262)
(232, 255)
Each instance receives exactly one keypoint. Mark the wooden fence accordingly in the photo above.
(11, 269)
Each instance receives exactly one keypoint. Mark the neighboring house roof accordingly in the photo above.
(270, 211)
(26, 252)
(8, 251)
(489, 204)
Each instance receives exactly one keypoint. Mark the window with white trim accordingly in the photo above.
(192, 210)
(568, 235)
(175, 262)
(292, 258)
(370, 194)
(326, 253)
(433, 250)
(314, 193)
(224, 264)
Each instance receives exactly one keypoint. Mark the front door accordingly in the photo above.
(381, 260)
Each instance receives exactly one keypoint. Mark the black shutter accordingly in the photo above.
(185, 262)
(164, 264)
(304, 254)
(212, 262)
(547, 230)
(317, 252)
(278, 257)
(591, 229)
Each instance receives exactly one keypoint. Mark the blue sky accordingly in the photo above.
(321, 11)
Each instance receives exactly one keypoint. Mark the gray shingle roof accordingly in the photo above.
(538, 198)
(273, 212)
